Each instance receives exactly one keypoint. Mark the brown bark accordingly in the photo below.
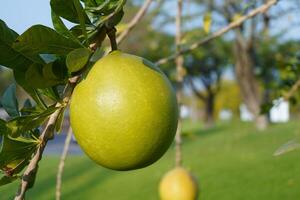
(209, 102)
(209, 110)
(244, 70)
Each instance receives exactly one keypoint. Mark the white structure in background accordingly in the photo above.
(184, 111)
(225, 114)
(245, 114)
(280, 111)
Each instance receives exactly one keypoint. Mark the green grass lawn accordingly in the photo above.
(231, 161)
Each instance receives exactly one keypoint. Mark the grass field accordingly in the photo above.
(231, 162)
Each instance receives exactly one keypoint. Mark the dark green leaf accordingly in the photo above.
(61, 28)
(9, 101)
(49, 75)
(15, 60)
(60, 120)
(107, 9)
(16, 153)
(67, 10)
(81, 16)
(23, 124)
(77, 59)
(3, 128)
(114, 20)
(51, 93)
(40, 39)
(9, 57)
(7, 179)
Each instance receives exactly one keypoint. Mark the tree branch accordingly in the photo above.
(62, 164)
(134, 20)
(262, 9)
(196, 92)
(293, 90)
(46, 135)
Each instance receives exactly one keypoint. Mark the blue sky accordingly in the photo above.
(21, 14)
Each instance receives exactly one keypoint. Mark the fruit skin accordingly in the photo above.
(178, 184)
(124, 114)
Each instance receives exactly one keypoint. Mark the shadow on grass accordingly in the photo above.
(202, 132)
(94, 176)
(47, 185)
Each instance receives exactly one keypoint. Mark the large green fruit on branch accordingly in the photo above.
(124, 113)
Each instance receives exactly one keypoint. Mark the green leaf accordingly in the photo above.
(18, 62)
(67, 10)
(288, 147)
(60, 121)
(9, 57)
(15, 154)
(51, 93)
(114, 20)
(22, 124)
(3, 128)
(40, 39)
(107, 9)
(9, 101)
(7, 179)
(61, 28)
(81, 17)
(49, 75)
(207, 19)
(77, 59)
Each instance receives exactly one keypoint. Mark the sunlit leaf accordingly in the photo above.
(288, 147)
(15, 154)
(23, 124)
(77, 59)
(207, 20)
(67, 10)
(40, 39)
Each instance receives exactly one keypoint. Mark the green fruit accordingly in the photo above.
(124, 114)
(178, 184)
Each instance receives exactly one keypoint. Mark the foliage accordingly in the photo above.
(281, 73)
(228, 97)
(42, 60)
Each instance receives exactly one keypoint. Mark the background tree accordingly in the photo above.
(204, 72)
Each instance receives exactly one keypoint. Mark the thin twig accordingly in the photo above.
(293, 90)
(135, 20)
(46, 135)
(262, 9)
(62, 164)
(179, 79)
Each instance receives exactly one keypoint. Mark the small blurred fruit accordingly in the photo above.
(178, 184)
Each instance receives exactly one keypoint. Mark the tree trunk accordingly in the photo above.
(209, 110)
(244, 70)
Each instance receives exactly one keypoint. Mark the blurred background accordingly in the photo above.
(241, 127)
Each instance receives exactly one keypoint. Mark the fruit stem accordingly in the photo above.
(111, 33)
(179, 79)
